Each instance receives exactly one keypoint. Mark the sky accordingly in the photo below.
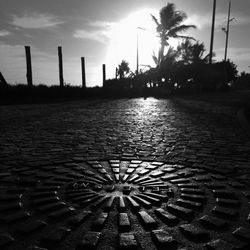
(105, 32)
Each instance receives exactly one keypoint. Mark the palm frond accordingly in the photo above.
(179, 29)
(155, 20)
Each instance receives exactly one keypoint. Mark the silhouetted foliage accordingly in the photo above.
(123, 69)
(243, 81)
(170, 25)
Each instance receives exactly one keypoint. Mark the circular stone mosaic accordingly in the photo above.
(120, 204)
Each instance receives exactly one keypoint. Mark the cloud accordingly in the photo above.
(240, 54)
(91, 35)
(35, 21)
(4, 33)
(205, 21)
(99, 31)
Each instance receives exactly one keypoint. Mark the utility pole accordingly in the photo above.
(29, 66)
(137, 54)
(103, 74)
(212, 34)
(83, 73)
(227, 31)
(60, 65)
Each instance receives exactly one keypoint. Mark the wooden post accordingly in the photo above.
(212, 34)
(103, 74)
(60, 65)
(29, 66)
(83, 73)
(2, 80)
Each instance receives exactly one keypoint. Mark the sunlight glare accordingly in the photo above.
(123, 43)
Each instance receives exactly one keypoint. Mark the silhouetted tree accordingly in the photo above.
(192, 53)
(170, 26)
(123, 69)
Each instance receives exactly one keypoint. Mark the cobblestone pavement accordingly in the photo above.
(122, 174)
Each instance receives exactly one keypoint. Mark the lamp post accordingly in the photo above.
(212, 34)
(227, 30)
(137, 49)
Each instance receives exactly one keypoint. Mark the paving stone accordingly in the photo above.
(11, 206)
(130, 170)
(5, 240)
(195, 198)
(15, 217)
(157, 174)
(89, 241)
(78, 218)
(54, 236)
(31, 227)
(141, 180)
(110, 188)
(192, 191)
(158, 196)
(47, 200)
(189, 204)
(44, 194)
(62, 213)
(134, 205)
(225, 212)
(212, 222)
(117, 178)
(121, 204)
(116, 170)
(242, 233)
(181, 180)
(223, 194)
(99, 203)
(142, 202)
(182, 212)
(11, 198)
(147, 221)
(219, 244)
(143, 172)
(133, 178)
(151, 167)
(100, 221)
(127, 241)
(194, 233)
(163, 240)
(51, 206)
(127, 189)
(125, 177)
(124, 223)
(36, 248)
(167, 217)
(170, 177)
(215, 186)
(108, 204)
(136, 162)
(228, 202)
(169, 169)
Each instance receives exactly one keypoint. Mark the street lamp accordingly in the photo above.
(226, 30)
(137, 49)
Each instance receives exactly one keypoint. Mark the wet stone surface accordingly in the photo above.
(94, 211)
(128, 174)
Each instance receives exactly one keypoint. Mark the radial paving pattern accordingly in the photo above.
(122, 204)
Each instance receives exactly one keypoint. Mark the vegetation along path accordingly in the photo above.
(122, 174)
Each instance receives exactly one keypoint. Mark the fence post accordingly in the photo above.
(29, 66)
(103, 74)
(83, 73)
(2, 80)
(60, 65)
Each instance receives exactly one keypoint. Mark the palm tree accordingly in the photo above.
(170, 26)
(123, 69)
(192, 53)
